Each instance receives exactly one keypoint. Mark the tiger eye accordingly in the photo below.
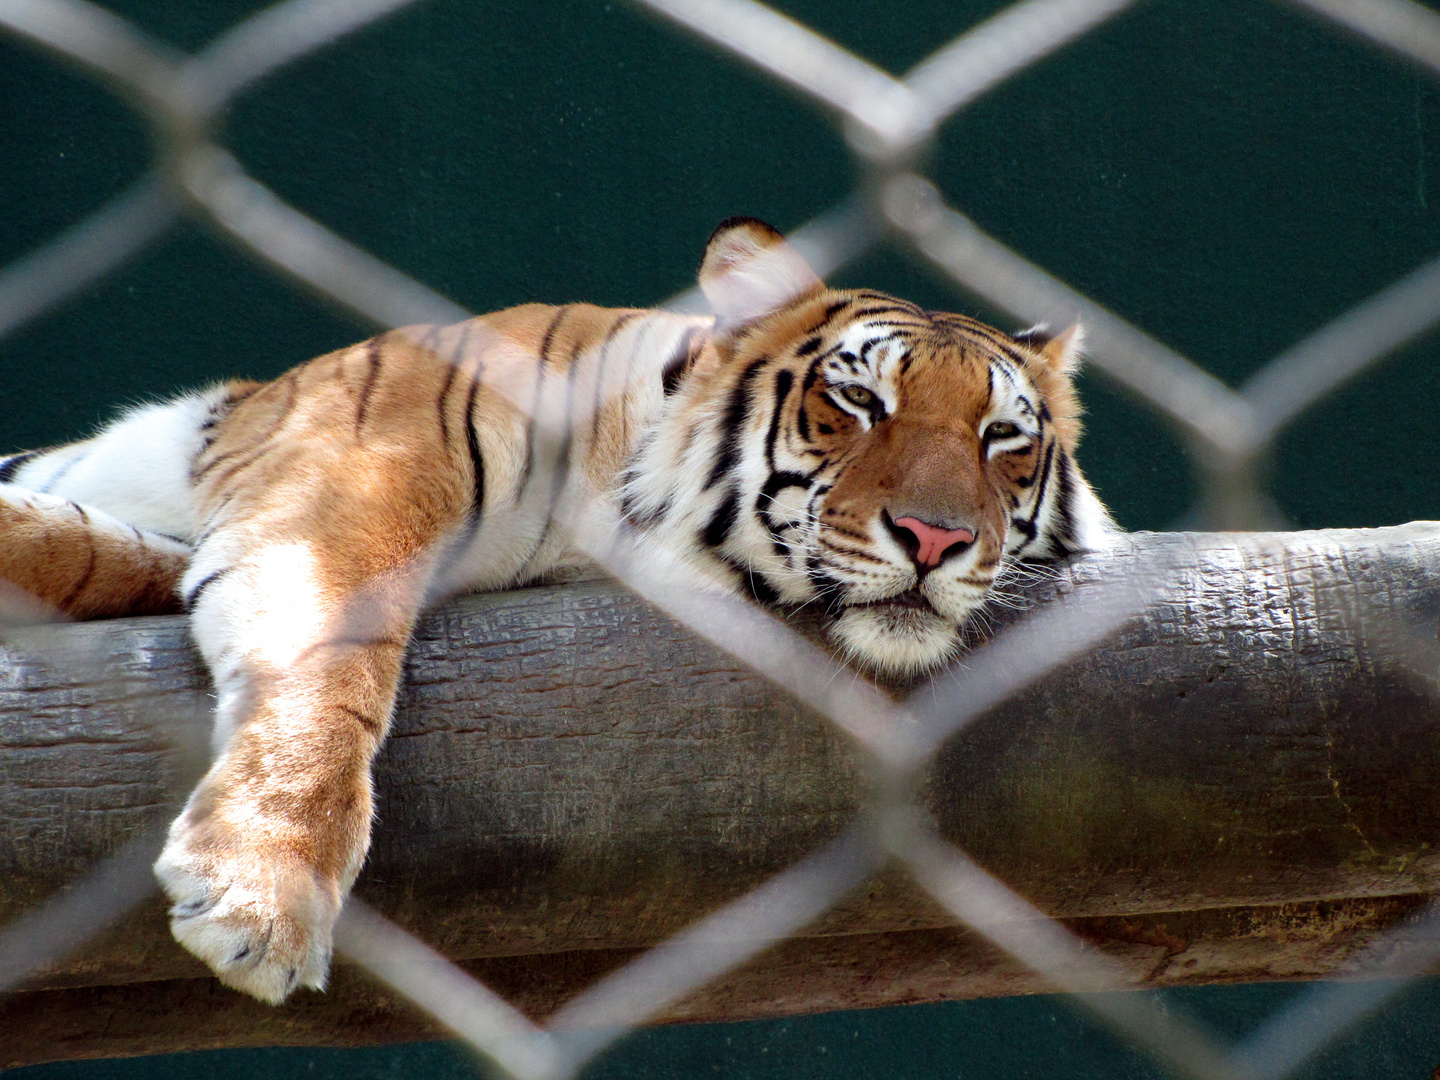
(858, 395)
(1002, 429)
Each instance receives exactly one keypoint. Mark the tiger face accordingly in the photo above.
(849, 449)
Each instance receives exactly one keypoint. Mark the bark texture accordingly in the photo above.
(1238, 785)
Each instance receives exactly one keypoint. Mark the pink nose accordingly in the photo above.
(934, 541)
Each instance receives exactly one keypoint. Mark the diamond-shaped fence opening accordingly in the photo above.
(889, 124)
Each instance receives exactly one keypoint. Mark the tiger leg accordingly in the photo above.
(306, 670)
(318, 545)
(59, 559)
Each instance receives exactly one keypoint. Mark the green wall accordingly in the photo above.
(1228, 174)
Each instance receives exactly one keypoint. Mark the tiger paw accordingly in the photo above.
(263, 924)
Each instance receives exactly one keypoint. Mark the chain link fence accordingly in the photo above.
(889, 124)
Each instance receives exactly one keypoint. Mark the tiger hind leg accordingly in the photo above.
(61, 560)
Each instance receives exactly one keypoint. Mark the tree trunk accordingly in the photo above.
(1239, 785)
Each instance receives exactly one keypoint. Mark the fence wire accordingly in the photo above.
(889, 123)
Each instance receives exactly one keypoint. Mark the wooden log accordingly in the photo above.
(1239, 785)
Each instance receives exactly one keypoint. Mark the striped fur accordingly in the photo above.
(804, 446)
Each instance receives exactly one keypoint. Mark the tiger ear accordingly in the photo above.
(749, 271)
(1061, 352)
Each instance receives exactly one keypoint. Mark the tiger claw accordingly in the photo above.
(263, 929)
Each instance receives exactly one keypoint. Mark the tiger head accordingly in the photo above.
(849, 448)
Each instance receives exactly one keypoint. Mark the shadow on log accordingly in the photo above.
(1239, 785)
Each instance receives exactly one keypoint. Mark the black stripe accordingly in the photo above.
(235, 397)
(811, 374)
(905, 305)
(472, 442)
(254, 456)
(802, 421)
(647, 519)
(372, 361)
(560, 471)
(735, 414)
(825, 584)
(567, 438)
(601, 362)
(454, 362)
(1064, 496)
(290, 380)
(854, 553)
(1044, 480)
(894, 324)
(477, 468)
(809, 346)
(784, 380)
(442, 402)
(350, 643)
(678, 364)
(881, 340)
(759, 588)
(1024, 482)
(851, 533)
(881, 309)
(204, 583)
(1015, 355)
(12, 465)
(776, 483)
(427, 341)
(721, 522)
(642, 339)
(1027, 526)
(79, 586)
(549, 338)
(545, 343)
(372, 725)
(60, 473)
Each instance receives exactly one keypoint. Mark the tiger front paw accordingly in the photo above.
(258, 918)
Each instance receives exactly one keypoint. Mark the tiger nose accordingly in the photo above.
(927, 544)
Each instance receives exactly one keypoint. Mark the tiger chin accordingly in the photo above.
(838, 449)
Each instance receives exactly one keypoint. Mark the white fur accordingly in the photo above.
(236, 918)
(755, 279)
(137, 468)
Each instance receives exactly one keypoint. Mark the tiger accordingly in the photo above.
(802, 445)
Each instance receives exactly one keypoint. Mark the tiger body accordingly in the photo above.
(805, 445)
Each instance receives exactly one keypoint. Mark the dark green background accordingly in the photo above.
(1228, 174)
(1035, 1038)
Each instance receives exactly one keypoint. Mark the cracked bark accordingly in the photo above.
(1238, 785)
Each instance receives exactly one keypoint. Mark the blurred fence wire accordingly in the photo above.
(889, 122)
